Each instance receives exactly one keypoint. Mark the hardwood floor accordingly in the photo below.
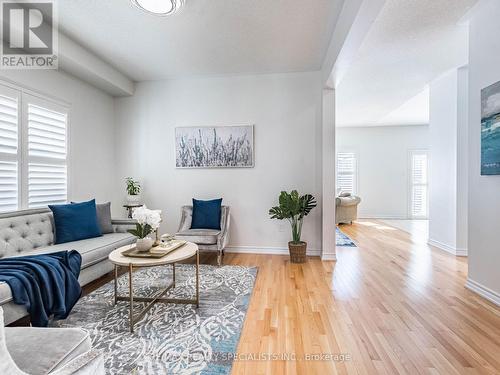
(391, 306)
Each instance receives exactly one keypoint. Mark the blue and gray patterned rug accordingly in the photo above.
(343, 239)
(170, 339)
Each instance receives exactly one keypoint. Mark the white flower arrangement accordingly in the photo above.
(147, 221)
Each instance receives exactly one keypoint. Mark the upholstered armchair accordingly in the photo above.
(206, 239)
(346, 209)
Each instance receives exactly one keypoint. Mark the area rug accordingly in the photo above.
(170, 338)
(343, 239)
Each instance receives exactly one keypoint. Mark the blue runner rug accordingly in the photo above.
(343, 239)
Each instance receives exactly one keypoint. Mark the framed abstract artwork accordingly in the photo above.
(490, 130)
(214, 147)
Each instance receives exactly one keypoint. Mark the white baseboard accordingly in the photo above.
(449, 249)
(329, 257)
(382, 217)
(462, 252)
(267, 250)
(483, 291)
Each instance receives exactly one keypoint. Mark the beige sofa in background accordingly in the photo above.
(346, 209)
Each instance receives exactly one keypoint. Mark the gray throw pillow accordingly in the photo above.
(103, 211)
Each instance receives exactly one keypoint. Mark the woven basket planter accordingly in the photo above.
(297, 252)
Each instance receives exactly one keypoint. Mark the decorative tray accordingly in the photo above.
(156, 252)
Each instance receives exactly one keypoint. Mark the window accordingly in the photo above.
(47, 170)
(347, 172)
(418, 185)
(33, 151)
(9, 149)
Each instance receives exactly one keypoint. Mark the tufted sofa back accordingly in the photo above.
(22, 231)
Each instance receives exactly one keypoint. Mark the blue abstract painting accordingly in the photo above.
(490, 130)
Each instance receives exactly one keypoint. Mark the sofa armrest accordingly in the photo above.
(122, 225)
(90, 363)
(186, 217)
(347, 201)
(223, 238)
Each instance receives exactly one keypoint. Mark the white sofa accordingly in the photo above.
(31, 232)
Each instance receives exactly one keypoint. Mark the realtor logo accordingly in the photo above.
(29, 35)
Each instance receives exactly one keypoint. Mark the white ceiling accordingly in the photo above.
(413, 112)
(207, 37)
(410, 44)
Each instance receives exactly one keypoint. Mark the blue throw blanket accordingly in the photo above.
(45, 284)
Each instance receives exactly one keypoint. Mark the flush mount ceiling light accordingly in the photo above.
(159, 7)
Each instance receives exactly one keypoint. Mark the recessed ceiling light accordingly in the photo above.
(159, 7)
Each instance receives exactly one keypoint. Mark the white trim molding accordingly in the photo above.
(328, 167)
(383, 217)
(449, 249)
(483, 291)
(328, 257)
(267, 250)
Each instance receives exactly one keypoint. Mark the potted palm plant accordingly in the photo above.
(294, 208)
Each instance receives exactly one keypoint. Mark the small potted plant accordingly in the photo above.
(133, 191)
(147, 222)
(294, 208)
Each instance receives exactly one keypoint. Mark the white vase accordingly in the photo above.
(133, 199)
(144, 244)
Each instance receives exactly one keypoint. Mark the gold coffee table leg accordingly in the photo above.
(131, 296)
(197, 279)
(173, 274)
(116, 282)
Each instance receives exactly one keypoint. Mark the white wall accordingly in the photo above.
(484, 191)
(462, 158)
(443, 155)
(286, 110)
(383, 163)
(448, 158)
(91, 145)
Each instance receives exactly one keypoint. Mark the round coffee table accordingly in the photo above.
(119, 260)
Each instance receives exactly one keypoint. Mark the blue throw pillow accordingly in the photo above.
(206, 214)
(76, 221)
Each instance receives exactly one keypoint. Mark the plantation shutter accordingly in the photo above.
(419, 188)
(8, 186)
(9, 149)
(346, 172)
(47, 152)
